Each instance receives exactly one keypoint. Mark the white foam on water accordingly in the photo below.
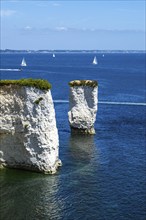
(108, 103)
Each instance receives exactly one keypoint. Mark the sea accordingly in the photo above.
(103, 176)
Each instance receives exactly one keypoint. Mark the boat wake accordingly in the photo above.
(122, 103)
(10, 69)
(108, 103)
(61, 101)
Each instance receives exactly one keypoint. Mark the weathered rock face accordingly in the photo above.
(83, 106)
(28, 132)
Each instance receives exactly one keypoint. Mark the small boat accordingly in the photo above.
(53, 55)
(95, 61)
(23, 63)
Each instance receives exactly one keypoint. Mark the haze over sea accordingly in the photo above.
(103, 176)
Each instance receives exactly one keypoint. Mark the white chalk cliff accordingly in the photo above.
(28, 133)
(83, 106)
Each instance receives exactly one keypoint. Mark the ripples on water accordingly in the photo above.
(102, 177)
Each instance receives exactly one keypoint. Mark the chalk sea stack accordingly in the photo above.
(28, 133)
(83, 106)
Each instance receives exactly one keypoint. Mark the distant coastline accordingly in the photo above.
(71, 51)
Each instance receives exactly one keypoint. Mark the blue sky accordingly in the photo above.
(101, 25)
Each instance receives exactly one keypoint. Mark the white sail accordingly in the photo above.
(23, 63)
(94, 61)
(53, 55)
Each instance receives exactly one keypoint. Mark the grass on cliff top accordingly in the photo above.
(37, 83)
(91, 83)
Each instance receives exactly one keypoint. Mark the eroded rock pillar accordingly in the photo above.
(83, 102)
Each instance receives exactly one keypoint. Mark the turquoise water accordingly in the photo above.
(103, 176)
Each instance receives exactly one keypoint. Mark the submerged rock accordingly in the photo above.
(83, 106)
(28, 133)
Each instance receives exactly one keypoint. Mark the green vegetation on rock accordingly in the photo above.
(37, 83)
(91, 83)
(38, 100)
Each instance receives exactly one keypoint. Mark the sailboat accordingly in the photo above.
(53, 55)
(94, 61)
(23, 63)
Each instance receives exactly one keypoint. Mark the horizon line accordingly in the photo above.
(7, 49)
